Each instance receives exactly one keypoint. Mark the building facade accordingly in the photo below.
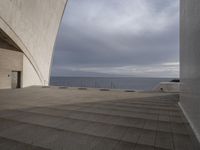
(28, 30)
(190, 62)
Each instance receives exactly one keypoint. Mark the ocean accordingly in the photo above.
(133, 83)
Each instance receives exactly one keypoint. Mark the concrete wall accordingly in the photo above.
(33, 26)
(29, 73)
(9, 61)
(167, 87)
(190, 61)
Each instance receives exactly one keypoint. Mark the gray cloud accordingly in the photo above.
(115, 37)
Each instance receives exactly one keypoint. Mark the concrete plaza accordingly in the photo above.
(39, 118)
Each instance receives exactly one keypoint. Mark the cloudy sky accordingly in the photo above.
(118, 38)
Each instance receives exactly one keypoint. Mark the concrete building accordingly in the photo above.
(190, 62)
(172, 87)
(28, 30)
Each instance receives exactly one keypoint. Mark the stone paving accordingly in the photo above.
(137, 123)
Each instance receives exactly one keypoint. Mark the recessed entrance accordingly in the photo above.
(11, 63)
(16, 79)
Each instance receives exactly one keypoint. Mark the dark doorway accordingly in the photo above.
(16, 79)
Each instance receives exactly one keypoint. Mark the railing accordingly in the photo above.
(88, 84)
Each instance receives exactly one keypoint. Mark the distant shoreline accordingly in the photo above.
(133, 83)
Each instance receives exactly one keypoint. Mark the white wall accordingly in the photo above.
(9, 61)
(168, 87)
(33, 26)
(28, 73)
(190, 62)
